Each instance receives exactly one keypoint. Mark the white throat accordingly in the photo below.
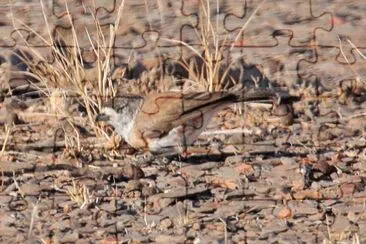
(123, 118)
(125, 128)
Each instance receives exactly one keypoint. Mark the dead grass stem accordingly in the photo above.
(211, 72)
(79, 194)
(7, 134)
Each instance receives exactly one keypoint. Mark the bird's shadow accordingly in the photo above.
(221, 157)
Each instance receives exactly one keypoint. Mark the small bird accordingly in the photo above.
(168, 122)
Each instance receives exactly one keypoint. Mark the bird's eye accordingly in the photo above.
(121, 108)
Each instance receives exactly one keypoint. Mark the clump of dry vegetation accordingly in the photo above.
(351, 87)
(65, 81)
(74, 92)
(210, 67)
(79, 194)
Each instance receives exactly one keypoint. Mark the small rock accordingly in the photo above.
(183, 192)
(307, 194)
(235, 139)
(208, 207)
(124, 221)
(284, 213)
(192, 172)
(331, 193)
(288, 160)
(239, 193)
(244, 168)
(285, 113)
(305, 210)
(233, 160)
(196, 226)
(230, 209)
(133, 172)
(239, 237)
(8, 231)
(341, 224)
(348, 189)
(69, 237)
(274, 227)
(109, 206)
(352, 217)
(165, 224)
(148, 191)
(251, 234)
(133, 185)
(30, 189)
(316, 217)
(8, 117)
(261, 187)
(168, 239)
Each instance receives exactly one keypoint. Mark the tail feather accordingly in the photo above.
(264, 95)
(256, 95)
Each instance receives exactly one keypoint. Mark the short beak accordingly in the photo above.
(102, 117)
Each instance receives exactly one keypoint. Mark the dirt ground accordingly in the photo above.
(288, 173)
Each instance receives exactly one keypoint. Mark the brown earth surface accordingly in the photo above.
(274, 174)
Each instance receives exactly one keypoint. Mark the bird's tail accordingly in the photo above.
(256, 95)
(263, 95)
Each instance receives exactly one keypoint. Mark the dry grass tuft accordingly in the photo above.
(79, 194)
(210, 68)
(65, 80)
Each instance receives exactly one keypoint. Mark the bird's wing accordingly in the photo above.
(162, 112)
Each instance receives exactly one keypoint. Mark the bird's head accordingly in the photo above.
(108, 115)
(121, 114)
